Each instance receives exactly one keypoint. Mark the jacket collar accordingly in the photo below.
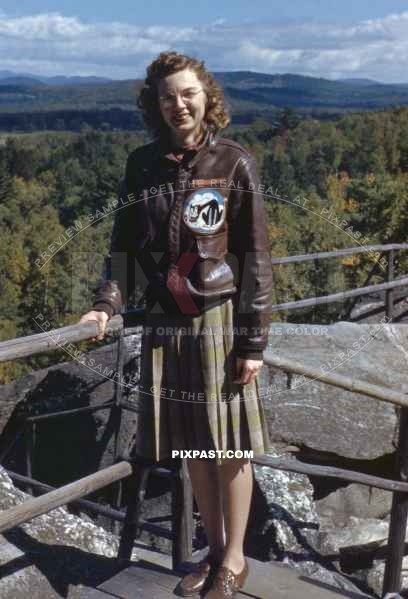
(190, 156)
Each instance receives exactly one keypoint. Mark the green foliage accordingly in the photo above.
(48, 186)
(352, 171)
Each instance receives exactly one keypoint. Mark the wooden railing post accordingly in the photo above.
(182, 516)
(136, 493)
(117, 419)
(399, 512)
(389, 294)
(30, 432)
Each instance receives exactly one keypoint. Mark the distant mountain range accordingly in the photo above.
(359, 81)
(250, 95)
(11, 78)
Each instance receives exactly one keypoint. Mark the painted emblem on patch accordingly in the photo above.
(204, 211)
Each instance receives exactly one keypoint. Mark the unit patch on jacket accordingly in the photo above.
(204, 211)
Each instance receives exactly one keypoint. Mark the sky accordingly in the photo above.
(320, 38)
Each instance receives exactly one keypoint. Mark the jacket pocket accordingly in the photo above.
(211, 274)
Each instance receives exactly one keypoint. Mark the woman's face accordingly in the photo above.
(182, 102)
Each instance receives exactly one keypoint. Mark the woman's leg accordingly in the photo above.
(236, 481)
(207, 492)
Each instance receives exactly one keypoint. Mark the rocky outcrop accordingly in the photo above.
(53, 555)
(337, 427)
(301, 521)
(72, 446)
(327, 418)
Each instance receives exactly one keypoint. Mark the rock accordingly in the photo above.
(327, 418)
(54, 554)
(355, 500)
(73, 446)
(290, 522)
(357, 532)
(375, 577)
(284, 526)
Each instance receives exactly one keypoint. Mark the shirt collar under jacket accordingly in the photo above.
(186, 156)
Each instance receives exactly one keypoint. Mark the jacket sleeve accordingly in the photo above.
(249, 247)
(108, 294)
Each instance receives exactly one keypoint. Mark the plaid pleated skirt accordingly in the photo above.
(187, 395)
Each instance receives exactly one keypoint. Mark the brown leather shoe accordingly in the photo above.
(226, 584)
(203, 572)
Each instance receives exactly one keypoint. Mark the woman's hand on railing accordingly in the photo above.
(101, 318)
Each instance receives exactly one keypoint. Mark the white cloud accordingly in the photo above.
(269, 56)
(50, 26)
(374, 48)
(52, 43)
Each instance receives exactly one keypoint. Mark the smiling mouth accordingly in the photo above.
(180, 118)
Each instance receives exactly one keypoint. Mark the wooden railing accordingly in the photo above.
(182, 497)
(388, 286)
(182, 526)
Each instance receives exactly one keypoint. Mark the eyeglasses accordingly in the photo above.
(187, 96)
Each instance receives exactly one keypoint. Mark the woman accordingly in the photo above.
(196, 225)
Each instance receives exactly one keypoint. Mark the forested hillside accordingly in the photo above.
(328, 185)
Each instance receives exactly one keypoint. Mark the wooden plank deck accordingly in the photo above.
(145, 580)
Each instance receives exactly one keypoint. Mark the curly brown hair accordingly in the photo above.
(216, 115)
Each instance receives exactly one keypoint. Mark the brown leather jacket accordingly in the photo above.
(190, 233)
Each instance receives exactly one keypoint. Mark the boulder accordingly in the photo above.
(354, 500)
(326, 418)
(53, 555)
